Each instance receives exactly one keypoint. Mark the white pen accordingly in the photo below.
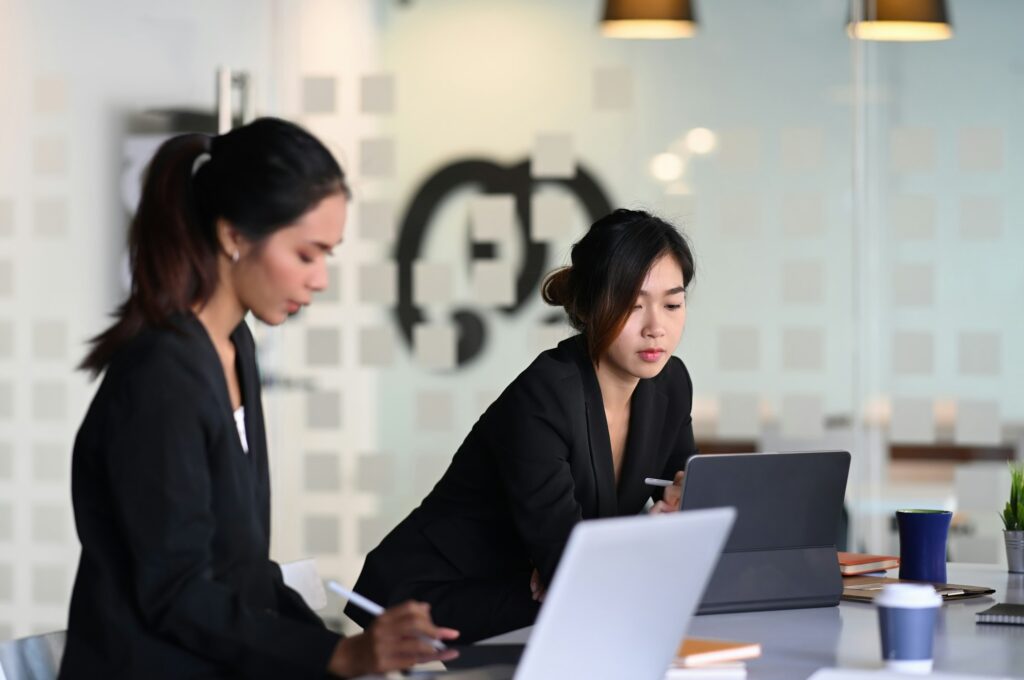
(652, 481)
(374, 609)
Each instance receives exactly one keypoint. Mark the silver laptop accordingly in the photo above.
(619, 605)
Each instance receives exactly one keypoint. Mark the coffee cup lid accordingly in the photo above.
(908, 595)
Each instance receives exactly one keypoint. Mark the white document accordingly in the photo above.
(301, 576)
(852, 674)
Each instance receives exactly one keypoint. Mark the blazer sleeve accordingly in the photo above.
(533, 448)
(290, 603)
(159, 481)
(684, 446)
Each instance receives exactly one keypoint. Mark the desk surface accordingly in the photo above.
(798, 642)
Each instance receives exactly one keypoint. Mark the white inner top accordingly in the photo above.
(240, 424)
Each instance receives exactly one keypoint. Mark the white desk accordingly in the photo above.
(798, 642)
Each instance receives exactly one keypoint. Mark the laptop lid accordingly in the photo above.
(781, 552)
(622, 596)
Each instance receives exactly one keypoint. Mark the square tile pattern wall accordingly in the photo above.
(51, 218)
(377, 346)
(49, 340)
(492, 217)
(319, 95)
(551, 216)
(51, 462)
(377, 221)
(612, 88)
(6, 461)
(323, 410)
(323, 346)
(321, 472)
(377, 94)
(553, 156)
(377, 157)
(6, 217)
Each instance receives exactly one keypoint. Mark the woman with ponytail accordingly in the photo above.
(170, 480)
(572, 438)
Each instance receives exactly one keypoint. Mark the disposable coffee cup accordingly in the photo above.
(907, 613)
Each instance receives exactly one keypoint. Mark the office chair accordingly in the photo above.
(32, 658)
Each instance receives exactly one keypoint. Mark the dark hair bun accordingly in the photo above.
(556, 287)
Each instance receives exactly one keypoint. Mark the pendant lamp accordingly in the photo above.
(900, 20)
(649, 19)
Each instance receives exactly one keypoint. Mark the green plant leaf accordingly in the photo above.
(1013, 513)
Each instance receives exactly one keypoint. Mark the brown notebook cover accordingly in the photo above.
(695, 652)
(853, 564)
(865, 588)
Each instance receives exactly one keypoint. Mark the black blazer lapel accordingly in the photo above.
(646, 420)
(597, 432)
(255, 434)
(245, 363)
(211, 368)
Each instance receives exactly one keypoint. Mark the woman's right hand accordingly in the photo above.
(394, 640)
(671, 497)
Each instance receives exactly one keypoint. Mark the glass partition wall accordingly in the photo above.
(851, 206)
(937, 217)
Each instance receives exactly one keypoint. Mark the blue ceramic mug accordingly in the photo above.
(923, 544)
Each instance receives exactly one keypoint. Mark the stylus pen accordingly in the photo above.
(651, 481)
(374, 609)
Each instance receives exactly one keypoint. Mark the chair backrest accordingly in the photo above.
(32, 658)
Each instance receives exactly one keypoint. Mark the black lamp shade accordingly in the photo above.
(650, 10)
(908, 20)
(649, 18)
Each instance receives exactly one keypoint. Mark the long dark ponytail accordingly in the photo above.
(260, 177)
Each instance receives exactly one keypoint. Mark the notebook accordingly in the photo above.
(854, 564)
(694, 652)
(1005, 613)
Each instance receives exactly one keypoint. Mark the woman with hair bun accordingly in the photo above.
(572, 438)
(169, 478)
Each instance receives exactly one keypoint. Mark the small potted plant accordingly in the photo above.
(1013, 520)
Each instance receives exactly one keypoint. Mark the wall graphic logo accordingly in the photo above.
(489, 178)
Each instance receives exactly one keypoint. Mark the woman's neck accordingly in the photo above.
(220, 315)
(616, 386)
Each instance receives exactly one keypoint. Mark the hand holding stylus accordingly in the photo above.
(671, 496)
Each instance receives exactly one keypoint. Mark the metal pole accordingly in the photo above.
(223, 100)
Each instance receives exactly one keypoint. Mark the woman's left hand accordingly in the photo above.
(671, 497)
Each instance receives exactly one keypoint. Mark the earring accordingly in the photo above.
(234, 257)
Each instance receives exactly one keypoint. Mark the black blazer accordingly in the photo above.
(536, 463)
(175, 578)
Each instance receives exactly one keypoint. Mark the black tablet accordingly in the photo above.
(781, 553)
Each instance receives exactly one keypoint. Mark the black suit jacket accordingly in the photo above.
(537, 462)
(175, 578)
